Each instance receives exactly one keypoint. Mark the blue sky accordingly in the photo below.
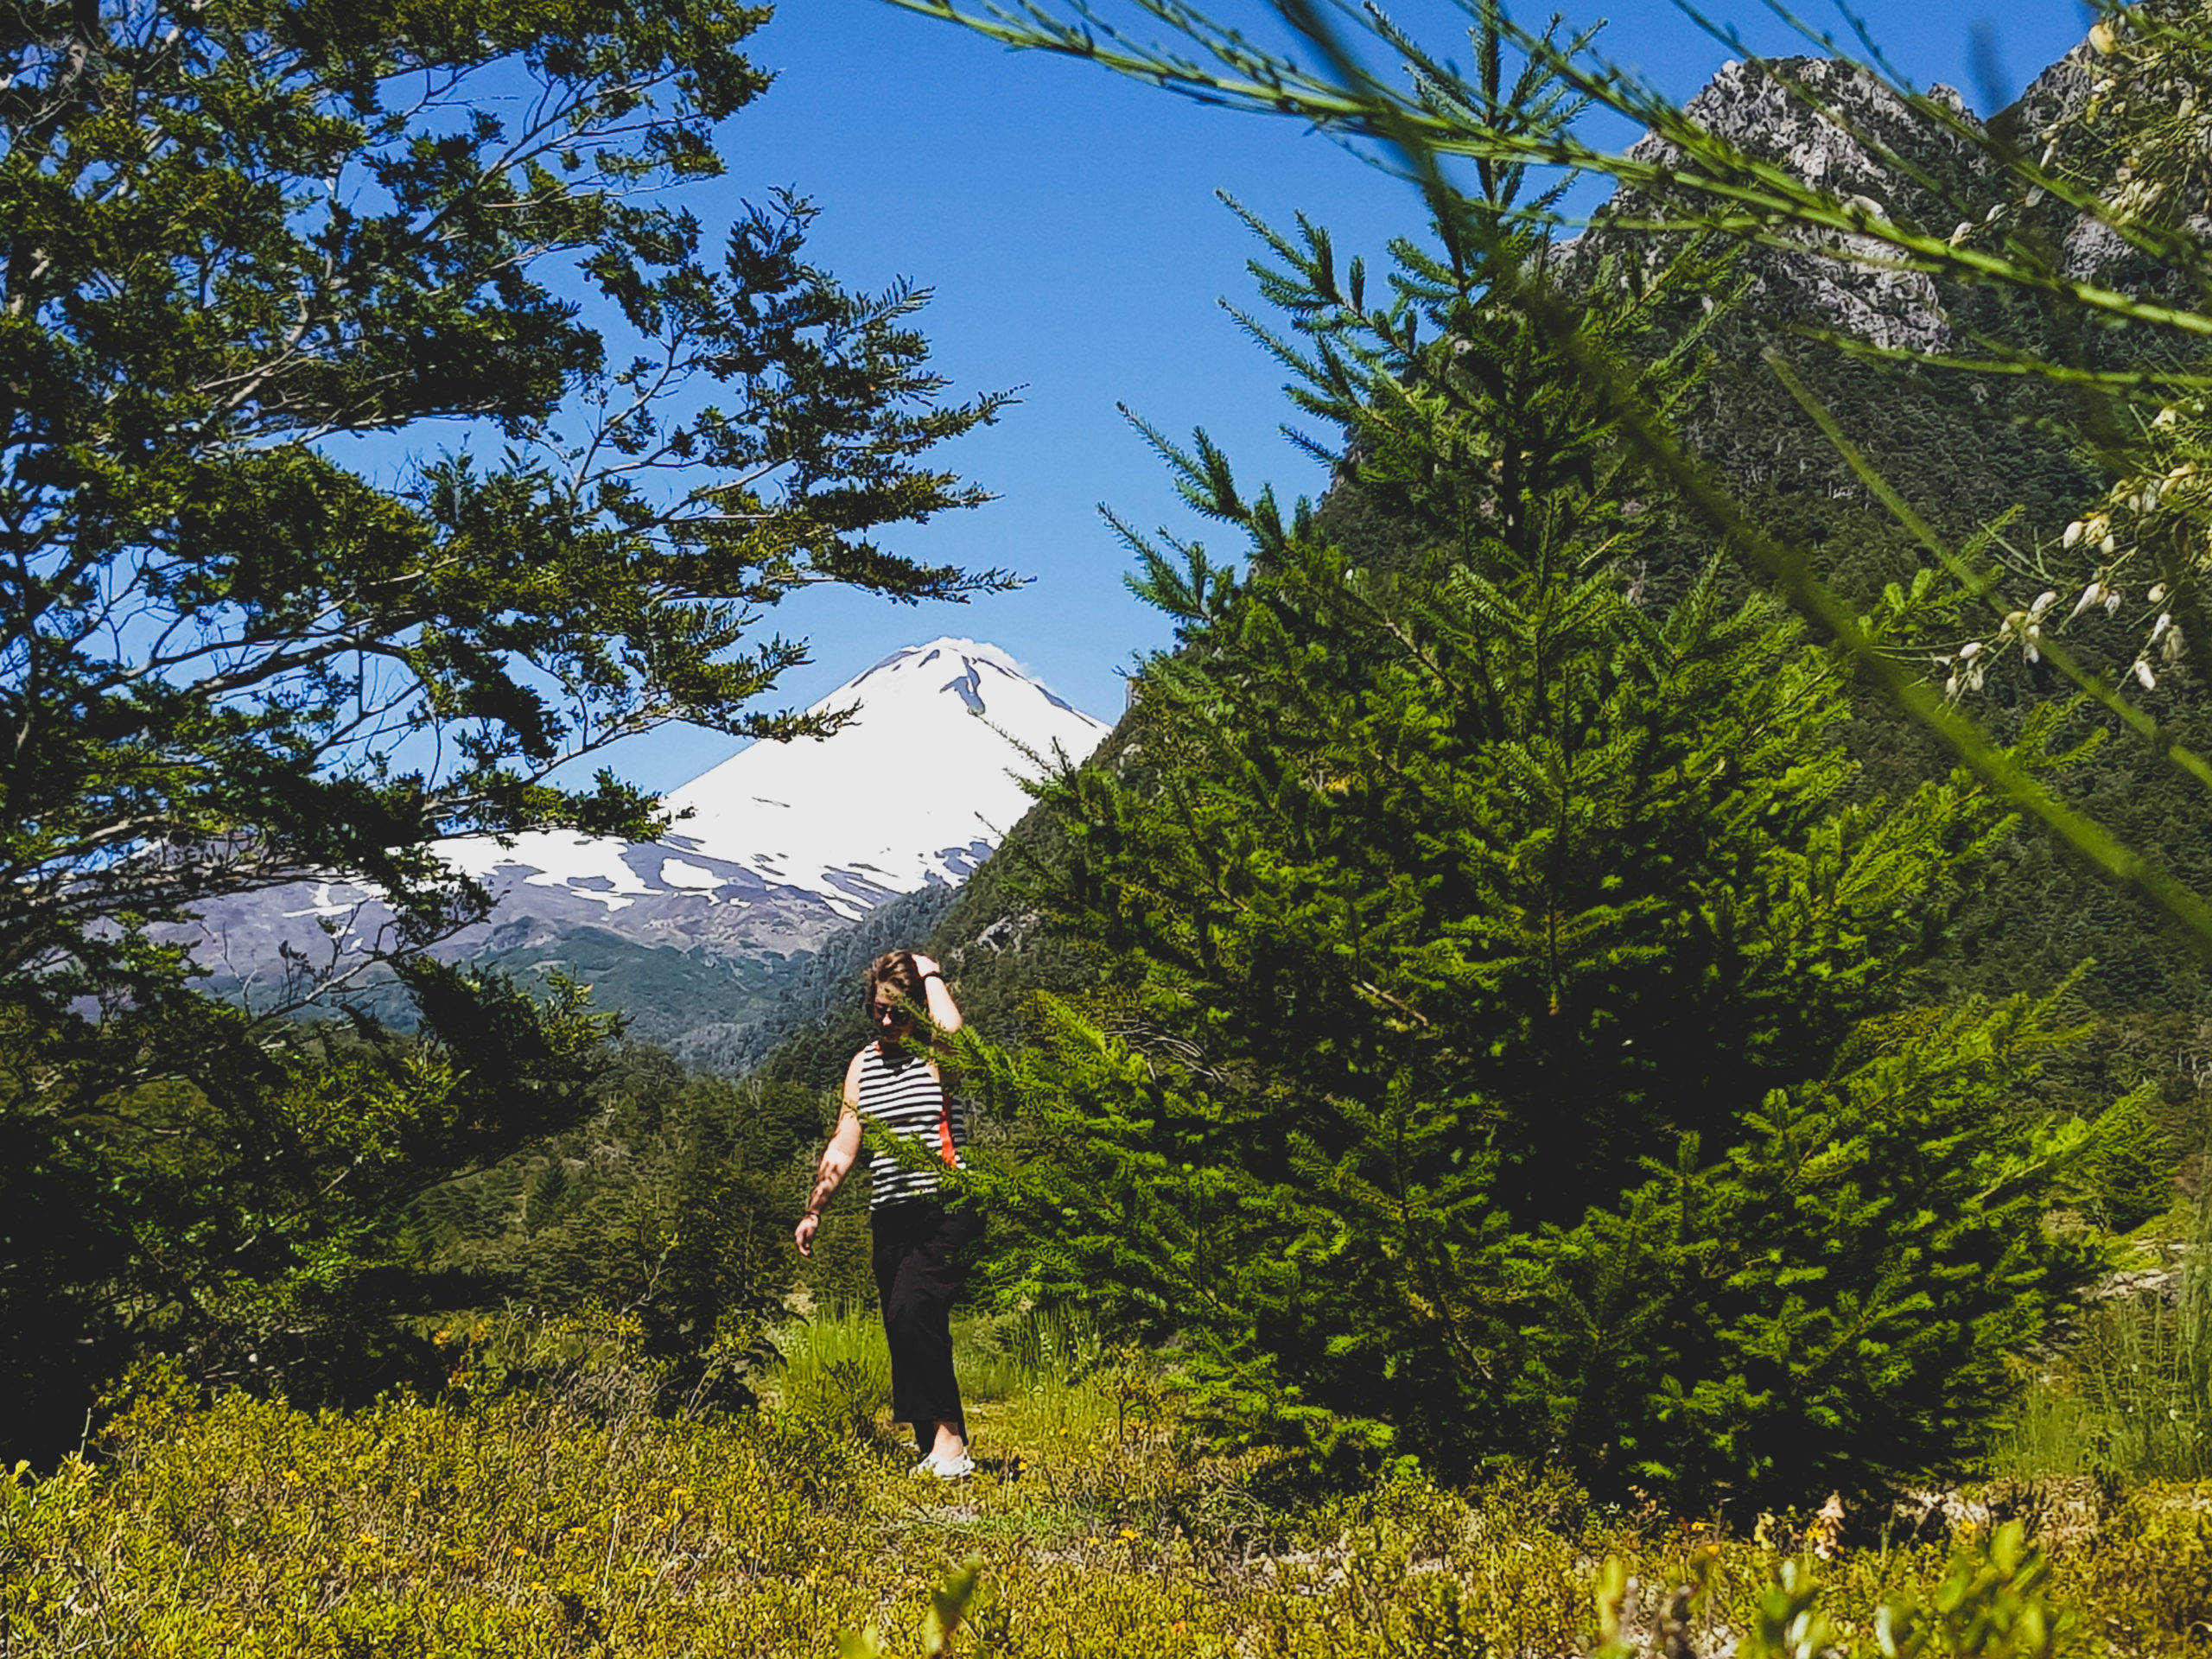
(1068, 224)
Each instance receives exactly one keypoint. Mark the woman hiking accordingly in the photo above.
(895, 1086)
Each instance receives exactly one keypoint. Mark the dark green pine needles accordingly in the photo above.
(1510, 1044)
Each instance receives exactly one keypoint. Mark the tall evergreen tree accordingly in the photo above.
(1492, 1058)
(2073, 218)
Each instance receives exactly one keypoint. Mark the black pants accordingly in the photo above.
(919, 1268)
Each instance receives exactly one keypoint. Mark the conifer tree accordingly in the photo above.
(1493, 1058)
(2080, 221)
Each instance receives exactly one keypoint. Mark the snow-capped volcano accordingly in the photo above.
(917, 787)
(771, 851)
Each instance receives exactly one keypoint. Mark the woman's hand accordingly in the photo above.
(937, 995)
(803, 1234)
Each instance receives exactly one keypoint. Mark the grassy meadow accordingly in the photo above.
(566, 1518)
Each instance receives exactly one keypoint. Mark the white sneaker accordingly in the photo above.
(957, 1468)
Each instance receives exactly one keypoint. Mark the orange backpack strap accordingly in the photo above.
(944, 1147)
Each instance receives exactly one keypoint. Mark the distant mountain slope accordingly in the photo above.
(819, 993)
(773, 853)
(1966, 450)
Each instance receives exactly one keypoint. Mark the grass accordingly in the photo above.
(2130, 1392)
(1054, 1385)
(566, 1520)
(835, 1368)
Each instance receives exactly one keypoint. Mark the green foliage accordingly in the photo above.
(452, 1529)
(2127, 1179)
(2158, 1559)
(1991, 1604)
(236, 1196)
(1033, 1348)
(2070, 219)
(231, 235)
(544, 1522)
(1502, 1057)
(672, 1200)
(230, 659)
(2129, 1394)
(835, 1369)
(948, 1606)
(2027, 446)
(1831, 1306)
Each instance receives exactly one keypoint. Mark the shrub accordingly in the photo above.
(523, 1525)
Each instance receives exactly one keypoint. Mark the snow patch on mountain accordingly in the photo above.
(916, 787)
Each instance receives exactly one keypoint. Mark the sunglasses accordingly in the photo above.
(897, 1016)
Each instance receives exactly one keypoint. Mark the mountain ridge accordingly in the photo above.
(771, 853)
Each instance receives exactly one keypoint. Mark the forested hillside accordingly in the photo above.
(999, 950)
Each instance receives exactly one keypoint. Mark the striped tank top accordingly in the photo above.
(903, 1097)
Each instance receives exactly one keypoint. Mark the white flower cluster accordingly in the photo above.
(1972, 662)
(2165, 639)
(2139, 139)
(1969, 665)
(2095, 595)
(2141, 144)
